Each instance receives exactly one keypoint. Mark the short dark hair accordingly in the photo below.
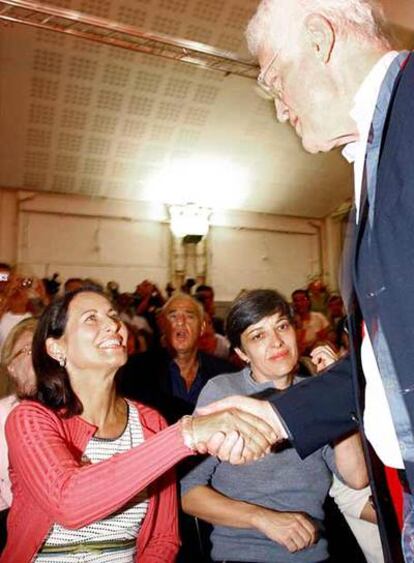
(250, 308)
(53, 385)
(305, 292)
(204, 287)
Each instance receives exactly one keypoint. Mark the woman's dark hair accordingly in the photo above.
(250, 308)
(53, 386)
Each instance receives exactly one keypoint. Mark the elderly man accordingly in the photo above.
(330, 69)
(171, 379)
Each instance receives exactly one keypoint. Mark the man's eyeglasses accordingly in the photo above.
(25, 351)
(267, 82)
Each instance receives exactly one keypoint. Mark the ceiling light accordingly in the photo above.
(208, 182)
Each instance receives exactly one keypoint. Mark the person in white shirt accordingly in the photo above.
(329, 67)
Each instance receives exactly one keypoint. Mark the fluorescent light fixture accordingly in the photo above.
(189, 219)
(208, 182)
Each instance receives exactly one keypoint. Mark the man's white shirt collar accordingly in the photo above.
(362, 113)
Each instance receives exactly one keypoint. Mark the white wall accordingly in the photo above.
(129, 241)
(105, 240)
(248, 250)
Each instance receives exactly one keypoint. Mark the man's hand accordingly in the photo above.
(229, 447)
(293, 530)
(245, 436)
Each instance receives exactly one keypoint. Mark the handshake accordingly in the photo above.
(235, 429)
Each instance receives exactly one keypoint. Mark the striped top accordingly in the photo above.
(124, 524)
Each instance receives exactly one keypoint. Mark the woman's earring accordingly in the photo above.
(62, 361)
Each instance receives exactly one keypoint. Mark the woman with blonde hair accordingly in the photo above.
(16, 372)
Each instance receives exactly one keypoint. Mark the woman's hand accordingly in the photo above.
(293, 530)
(323, 356)
(250, 436)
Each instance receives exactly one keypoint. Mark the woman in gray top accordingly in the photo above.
(270, 510)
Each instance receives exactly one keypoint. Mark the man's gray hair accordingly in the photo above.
(270, 26)
(181, 295)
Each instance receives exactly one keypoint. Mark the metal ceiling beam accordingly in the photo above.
(107, 32)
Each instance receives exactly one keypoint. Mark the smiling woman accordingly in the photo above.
(91, 469)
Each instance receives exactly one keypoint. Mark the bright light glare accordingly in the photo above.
(208, 182)
(189, 220)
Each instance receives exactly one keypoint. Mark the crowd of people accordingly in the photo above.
(103, 371)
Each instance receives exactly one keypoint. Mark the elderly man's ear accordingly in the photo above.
(321, 36)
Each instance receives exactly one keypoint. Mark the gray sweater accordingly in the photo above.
(280, 481)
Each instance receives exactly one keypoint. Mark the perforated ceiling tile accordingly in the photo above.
(185, 69)
(44, 88)
(205, 94)
(34, 180)
(175, 6)
(134, 128)
(105, 124)
(47, 61)
(98, 146)
(109, 100)
(77, 94)
(154, 63)
(147, 81)
(216, 77)
(82, 68)
(160, 132)
(41, 114)
(169, 111)
(196, 116)
(187, 136)
(115, 75)
(153, 153)
(112, 188)
(63, 183)
(131, 16)
(127, 149)
(60, 3)
(198, 33)
(87, 47)
(143, 171)
(66, 163)
(73, 118)
(140, 106)
(208, 10)
(238, 16)
(96, 7)
(36, 160)
(39, 138)
(50, 38)
(229, 42)
(164, 24)
(116, 54)
(69, 142)
(177, 88)
(90, 186)
(123, 168)
(94, 166)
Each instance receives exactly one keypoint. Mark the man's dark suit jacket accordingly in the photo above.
(145, 378)
(322, 409)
